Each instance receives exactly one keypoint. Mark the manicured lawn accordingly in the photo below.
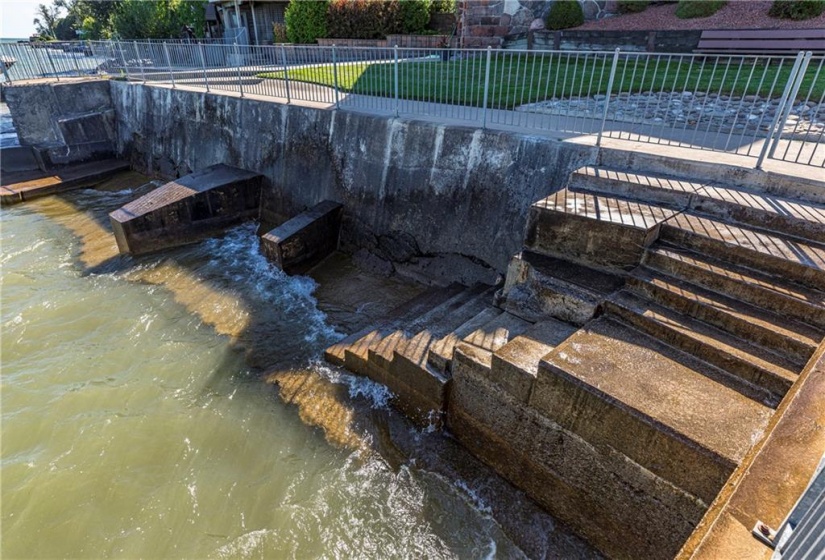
(515, 80)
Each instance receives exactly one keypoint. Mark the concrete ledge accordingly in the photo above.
(771, 478)
(620, 507)
(298, 244)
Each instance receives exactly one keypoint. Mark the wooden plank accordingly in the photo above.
(763, 34)
(762, 45)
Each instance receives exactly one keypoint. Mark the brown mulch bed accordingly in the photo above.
(737, 14)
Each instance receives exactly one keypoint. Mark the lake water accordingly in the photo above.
(174, 406)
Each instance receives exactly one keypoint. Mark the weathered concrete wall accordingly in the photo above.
(441, 199)
(65, 122)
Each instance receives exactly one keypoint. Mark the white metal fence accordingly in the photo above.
(758, 106)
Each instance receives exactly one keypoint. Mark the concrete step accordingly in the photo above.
(381, 354)
(605, 232)
(356, 346)
(406, 311)
(755, 372)
(737, 204)
(539, 286)
(515, 365)
(498, 332)
(420, 390)
(763, 328)
(768, 291)
(757, 209)
(618, 388)
(792, 258)
(666, 191)
(441, 352)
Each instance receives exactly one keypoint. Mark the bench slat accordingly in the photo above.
(800, 34)
(763, 45)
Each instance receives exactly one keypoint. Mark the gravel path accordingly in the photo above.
(737, 14)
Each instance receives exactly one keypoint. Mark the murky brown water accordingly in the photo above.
(175, 406)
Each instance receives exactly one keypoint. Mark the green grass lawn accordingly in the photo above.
(530, 78)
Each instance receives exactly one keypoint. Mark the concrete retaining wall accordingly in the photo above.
(65, 122)
(448, 199)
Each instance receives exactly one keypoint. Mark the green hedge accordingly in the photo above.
(688, 9)
(564, 14)
(797, 9)
(306, 20)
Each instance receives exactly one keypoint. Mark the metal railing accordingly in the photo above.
(757, 106)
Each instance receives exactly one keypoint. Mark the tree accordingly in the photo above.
(138, 19)
(47, 17)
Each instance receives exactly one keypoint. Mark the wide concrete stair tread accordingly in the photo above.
(753, 371)
(803, 260)
(631, 213)
(794, 217)
(515, 365)
(671, 191)
(747, 206)
(757, 325)
(662, 392)
(769, 291)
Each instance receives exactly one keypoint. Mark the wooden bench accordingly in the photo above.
(761, 41)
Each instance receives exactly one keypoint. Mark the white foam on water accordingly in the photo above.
(376, 394)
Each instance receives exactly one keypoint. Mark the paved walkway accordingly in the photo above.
(707, 146)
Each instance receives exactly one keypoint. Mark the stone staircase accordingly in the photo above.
(641, 344)
(412, 351)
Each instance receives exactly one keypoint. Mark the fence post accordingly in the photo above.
(395, 50)
(607, 97)
(169, 64)
(286, 74)
(486, 89)
(3, 64)
(238, 64)
(780, 109)
(800, 75)
(140, 61)
(203, 65)
(51, 63)
(74, 59)
(335, 76)
(124, 68)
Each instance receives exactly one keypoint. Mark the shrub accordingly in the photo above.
(797, 9)
(279, 33)
(375, 19)
(306, 20)
(564, 14)
(631, 6)
(688, 9)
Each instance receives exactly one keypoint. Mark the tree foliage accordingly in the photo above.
(126, 19)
